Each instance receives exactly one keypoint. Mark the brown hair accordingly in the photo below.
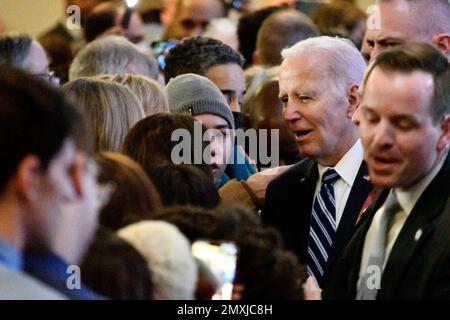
(149, 142)
(135, 197)
(340, 18)
(412, 57)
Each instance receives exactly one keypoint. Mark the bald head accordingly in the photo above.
(281, 30)
(404, 21)
(107, 15)
(193, 16)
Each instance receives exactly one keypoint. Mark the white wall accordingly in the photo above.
(35, 16)
(363, 4)
(31, 16)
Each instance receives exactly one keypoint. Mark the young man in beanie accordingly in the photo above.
(198, 96)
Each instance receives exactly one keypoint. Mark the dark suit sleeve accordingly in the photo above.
(441, 286)
(268, 212)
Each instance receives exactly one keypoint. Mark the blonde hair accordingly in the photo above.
(148, 91)
(110, 110)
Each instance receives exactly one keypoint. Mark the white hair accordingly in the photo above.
(168, 254)
(112, 55)
(346, 63)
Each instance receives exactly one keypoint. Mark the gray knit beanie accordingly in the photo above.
(194, 94)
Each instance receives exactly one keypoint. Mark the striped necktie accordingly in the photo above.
(323, 226)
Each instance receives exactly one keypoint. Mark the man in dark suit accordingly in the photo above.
(315, 204)
(401, 248)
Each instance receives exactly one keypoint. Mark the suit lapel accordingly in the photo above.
(305, 188)
(358, 195)
(417, 228)
(356, 243)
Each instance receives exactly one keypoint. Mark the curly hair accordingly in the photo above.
(197, 55)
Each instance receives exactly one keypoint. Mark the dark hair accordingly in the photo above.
(184, 185)
(197, 55)
(281, 30)
(60, 53)
(247, 31)
(225, 222)
(264, 268)
(134, 198)
(412, 57)
(14, 50)
(99, 21)
(113, 268)
(35, 119)
(194, 222)
(149, 141)
(339, 18)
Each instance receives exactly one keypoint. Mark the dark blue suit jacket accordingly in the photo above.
(288, 207)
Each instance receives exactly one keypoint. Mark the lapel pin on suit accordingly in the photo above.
(366, 177)
(418, 235)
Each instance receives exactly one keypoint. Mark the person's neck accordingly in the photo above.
(11, 224)
(344, 147)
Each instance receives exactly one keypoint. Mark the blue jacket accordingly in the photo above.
(240, 169)
(52, 270)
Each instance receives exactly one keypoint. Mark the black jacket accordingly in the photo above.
(418, 266)
(288, 207)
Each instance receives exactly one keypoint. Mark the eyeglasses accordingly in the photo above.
(49, 77)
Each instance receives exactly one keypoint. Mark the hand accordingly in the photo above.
(311, 289)
(259, 181)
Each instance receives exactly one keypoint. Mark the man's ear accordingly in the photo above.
(77, 173)
(442, 42)
(444, 139)
(353, 99)
(28, 174)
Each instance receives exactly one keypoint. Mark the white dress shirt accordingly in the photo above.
(347, 168)
(407, 200)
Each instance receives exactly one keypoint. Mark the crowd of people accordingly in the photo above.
(119, 156)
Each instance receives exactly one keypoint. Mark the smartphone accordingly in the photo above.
(160, 50)
(220, 257)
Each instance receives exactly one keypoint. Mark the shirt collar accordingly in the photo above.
(408, 198)
(346, 166)
(10, 256)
